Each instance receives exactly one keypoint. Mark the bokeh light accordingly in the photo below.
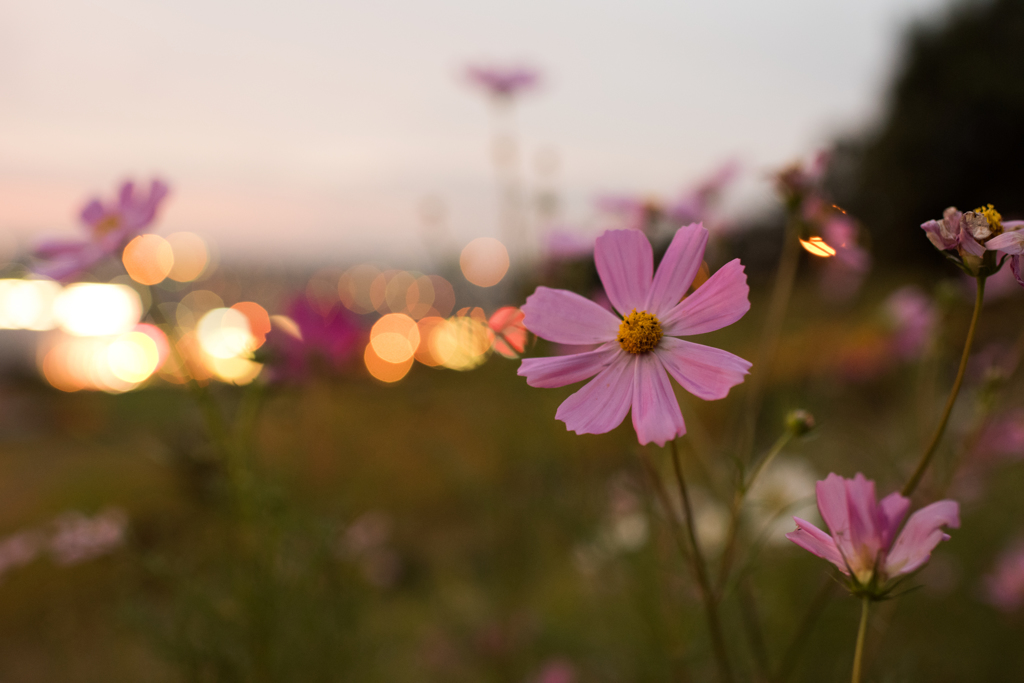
(191, 256)
(818, 247)
(354, 288)
(95, 310)
(225, 333)
(383, 370)
(133, 357)
(322, 290)
(427, 327)
(462, 343)
(148, 259)
(111, 364)
(194, 305)
(259, 321)
(394, 338)
(484, 261)
(27, 304)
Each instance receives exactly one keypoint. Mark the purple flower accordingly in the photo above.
(322, 341)
(967, 236)
(801, 180)
(866, 543)
(1004, 587)
(109, 227)
(913, 317)
(503, 82)
(638, 349)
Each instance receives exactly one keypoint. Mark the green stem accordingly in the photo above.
(858, 653)
(782, 292)
(929, 452)
(729, 549)
(701, 572)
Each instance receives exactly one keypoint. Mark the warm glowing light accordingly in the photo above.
(428, 326)
(354, 288)
(286, 325)
(419, 297)
(133, 357)
(259, 321)
(148, 259)
(462, 343)
(382, 369)
(191, 256)
(818, 247)
(27, 304)
(394, 338)
(444, 296)
(193, 305)
(509, 332)
(94, 310)
(233, 370)
(224, 333)
(484, 261)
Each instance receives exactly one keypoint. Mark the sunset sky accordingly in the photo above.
(305, 129)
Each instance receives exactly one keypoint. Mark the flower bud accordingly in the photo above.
(799, 422)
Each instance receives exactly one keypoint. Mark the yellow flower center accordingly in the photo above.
(107, 225)
(639, 332)
(994, 218)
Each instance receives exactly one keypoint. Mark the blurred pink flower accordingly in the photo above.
(866, 543)
(503, 82)
(1004, 587)
(696, 204)
(844, 272)
(78, 538)
(110, 226)
(1003, 436)
(913, 317)
(324, 341)
(801, 179)
(637, 353)
(20, 549)
(556, 671)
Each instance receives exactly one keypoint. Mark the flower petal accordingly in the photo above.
(831, 494)
(720, 301)
(816, 541)
(704, 371)
(935, 234)
(625, 262)
(1008, 242)
(656, 414)
(567, 318)
(601, 405)
(1015, 269)
(969, 244)
(864, 521)
(894, 509)
(557, 371)
(920, 536)
(677, 269)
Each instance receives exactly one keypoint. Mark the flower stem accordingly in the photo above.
(858, 653)
(729, 549)
(782, 291)
(929, 452)
(701, 572)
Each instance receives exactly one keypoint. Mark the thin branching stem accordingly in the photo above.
(929, 452)
(701, 572)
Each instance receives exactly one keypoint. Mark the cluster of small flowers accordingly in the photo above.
(70, 539)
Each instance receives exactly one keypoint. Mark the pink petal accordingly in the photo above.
(656, 415)
(1008, 242)
(1015, 269)
(677, 269)
(863, 518)
(969, 244)
(831, 494)
(893, 509)
(704, 371)
(567, 318)
(557, 371)
(720, 301)
(816, 541)
(49, 249)
(920, 536)
(625, 262)
(93, 213)
(601, 405)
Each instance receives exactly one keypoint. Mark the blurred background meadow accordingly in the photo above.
(259, 333)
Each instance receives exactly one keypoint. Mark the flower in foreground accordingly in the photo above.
(866, 543)
(967, 236)
(109, 226)
(638, 351)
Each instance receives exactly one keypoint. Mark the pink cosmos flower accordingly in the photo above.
(503, 82)
(110, 226)
(639, 350)
(968, 235)
(913, 317)
(866, 543)
(321, 342)
(1004, 587)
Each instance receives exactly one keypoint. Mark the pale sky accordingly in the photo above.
(299, 129)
